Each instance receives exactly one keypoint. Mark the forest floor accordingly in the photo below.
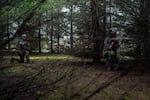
(63, 77)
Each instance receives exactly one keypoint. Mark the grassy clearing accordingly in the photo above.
(64, 77)
(52, 57)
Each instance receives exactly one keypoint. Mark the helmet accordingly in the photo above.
(24, 36)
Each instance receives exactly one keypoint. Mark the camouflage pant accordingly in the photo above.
(112, 60)
(15, 55)
(23, 55)
(27, 56)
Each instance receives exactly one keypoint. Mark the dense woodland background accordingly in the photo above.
(77, 27)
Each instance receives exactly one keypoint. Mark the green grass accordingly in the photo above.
(47, 57)
(76, 85)
(18, 69)
(52, 57)
(15, 71)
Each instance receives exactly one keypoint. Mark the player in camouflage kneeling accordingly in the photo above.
(23, 50)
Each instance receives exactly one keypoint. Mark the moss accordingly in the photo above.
(124, 98)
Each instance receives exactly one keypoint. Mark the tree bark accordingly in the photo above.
(58, 36)
(39, 36)
(51, 34)
(71, 27)
(142, 26)
(95, 31)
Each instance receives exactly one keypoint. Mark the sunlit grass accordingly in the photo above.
(36, 60)
(48, 57)
(45, 57)
(52, 57)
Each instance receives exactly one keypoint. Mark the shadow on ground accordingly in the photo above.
(74, 79)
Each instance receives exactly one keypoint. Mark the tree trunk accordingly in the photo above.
(51, 37)
(58, 36)
(39, 36)
(8, 34)
(142, 26)
(71, 27)
(97, 32)
(110, 21)
(51, 34)
(145, 13)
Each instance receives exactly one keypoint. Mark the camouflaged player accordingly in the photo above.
(111, 47)
(23, 50)
(26, 46)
